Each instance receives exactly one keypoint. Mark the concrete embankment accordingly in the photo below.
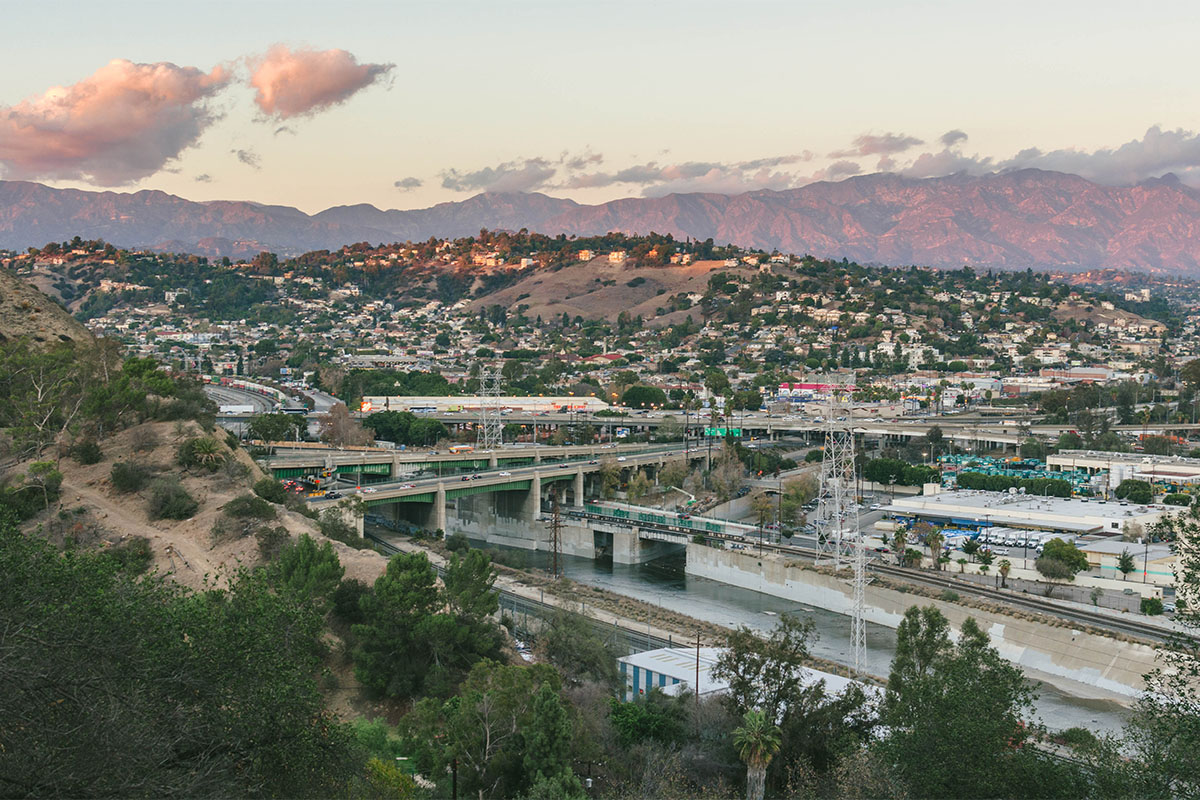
(1082, 663)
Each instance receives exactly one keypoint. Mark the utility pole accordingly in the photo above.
(491, 429)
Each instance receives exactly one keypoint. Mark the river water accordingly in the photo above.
(664, 583)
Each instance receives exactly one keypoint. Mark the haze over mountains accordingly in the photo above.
(1026, 218)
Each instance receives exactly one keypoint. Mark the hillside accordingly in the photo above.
(1026, 218)
(27, 313)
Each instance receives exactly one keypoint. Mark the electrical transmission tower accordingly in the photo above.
(839, 540)
(555, 535)
(491, 427)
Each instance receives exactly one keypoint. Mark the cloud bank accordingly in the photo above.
(123, 123)
(296, 83)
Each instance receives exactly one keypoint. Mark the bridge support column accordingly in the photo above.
(493, 461)
(629, 548)
(533, 500)
(438, 514)
(578, 487)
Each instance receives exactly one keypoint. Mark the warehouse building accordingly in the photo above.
(441, 405)
(1175, 471)
(976, 508)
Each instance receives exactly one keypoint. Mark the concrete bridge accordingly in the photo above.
(501, 505)
(375, 465)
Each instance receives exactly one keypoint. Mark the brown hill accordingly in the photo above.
(27, 313)
(1028, 218)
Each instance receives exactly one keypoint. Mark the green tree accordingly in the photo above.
(942, 695)
(1135, 491)
(757, 741)
(643, 397)
(548, 744)
(638, 487)
(571, 643)
(1060, 561)
(469, 582)
(146, 688)
(765, 674)
(276, 427)
(1125, 563)
(307, 571)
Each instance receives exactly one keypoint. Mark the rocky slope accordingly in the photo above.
(1029, 218)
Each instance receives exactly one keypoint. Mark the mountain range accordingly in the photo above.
(1013, 220)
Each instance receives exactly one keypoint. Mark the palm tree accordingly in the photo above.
(900, 542)
(757, 741)
(206, 451)
(934, 539)
(1005, 566)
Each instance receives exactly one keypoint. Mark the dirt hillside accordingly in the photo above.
(26, 312)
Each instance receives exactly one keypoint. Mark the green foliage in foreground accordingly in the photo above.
(117, 686)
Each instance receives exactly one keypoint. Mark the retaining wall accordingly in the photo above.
(1082, 664)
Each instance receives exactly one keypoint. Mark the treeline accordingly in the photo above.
(1052, 487)
(359, 383)
(888, 471)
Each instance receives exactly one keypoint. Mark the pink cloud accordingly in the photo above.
(294, 83)
(121, 124)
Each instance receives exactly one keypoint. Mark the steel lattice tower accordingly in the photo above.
(837, 508)
(491, 427)
(839, 540)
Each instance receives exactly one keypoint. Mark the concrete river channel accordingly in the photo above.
(664, 583)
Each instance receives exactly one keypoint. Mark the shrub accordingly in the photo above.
(169, 500)
(87, 452)
(133, 555)
(1077, 737)
(271, 490)
(1178, 499)
(333, 526)
(203, 452)
(127, 477)
(247, 506)
(949, 595)
(271, 540)
(1151, 606)
(346, 600)
(457, 543)
(144, 439)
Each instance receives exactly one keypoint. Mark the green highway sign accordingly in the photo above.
(722, 431)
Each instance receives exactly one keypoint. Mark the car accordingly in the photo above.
(466, 478)
(334, 495)
(621, 458)
(876, 506)
(408, 486)
(476, 477)
(505, 474)
(369, 490)
(593, 461)
(1168, 608)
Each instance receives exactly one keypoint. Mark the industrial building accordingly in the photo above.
(675, 669)
(1153, 563)
(1175, 471)
(974, 508)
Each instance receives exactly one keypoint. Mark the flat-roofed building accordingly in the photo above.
(972, 507)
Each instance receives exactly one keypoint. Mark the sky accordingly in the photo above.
(408, 104)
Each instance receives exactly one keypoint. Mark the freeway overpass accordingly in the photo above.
(499, 501)
(372, 464)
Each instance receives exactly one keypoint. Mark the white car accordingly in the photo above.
(621, 458)
(369, 490)
(505, 474)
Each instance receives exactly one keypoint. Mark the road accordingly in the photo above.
(228, 396)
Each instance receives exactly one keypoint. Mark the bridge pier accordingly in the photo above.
(577, 488)
(629, 548)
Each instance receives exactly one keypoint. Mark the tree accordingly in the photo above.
(900, 544)
(469, 582)
(1135, 491)
(339, 429)
(307, 571)
(638, 486)
(276, 427)
(1060, 561)
(763, 510)
(934, 539)
(728, 472)
(1125, 563)
(610, 478)
(1164, 732)
(548, 745)
(643, 397)
(757, 741)
(796, 493)
(147, 688)
(572, 644)
(1005, 567)
(765, 674)
(481, 728)
(941, 695)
